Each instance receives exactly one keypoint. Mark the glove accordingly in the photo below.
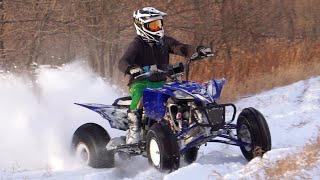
(153, 68)
(133, 70)
(204, 51)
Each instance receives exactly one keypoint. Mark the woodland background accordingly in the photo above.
(259, 44)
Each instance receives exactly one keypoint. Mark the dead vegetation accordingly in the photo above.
(249, 74)
(292, 166)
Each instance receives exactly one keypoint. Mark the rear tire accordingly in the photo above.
(252, 128)
(90, 149)
(162, 148)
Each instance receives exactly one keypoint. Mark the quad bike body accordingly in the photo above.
(177, 119)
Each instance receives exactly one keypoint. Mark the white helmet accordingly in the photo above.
(149, 24)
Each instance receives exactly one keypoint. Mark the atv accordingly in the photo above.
(177, 119)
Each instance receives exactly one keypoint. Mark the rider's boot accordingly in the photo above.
(133, 135)
(134, 124)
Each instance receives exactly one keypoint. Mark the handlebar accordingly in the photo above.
(149, 73)
(195, 56)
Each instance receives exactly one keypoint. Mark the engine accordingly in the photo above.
(185, 119)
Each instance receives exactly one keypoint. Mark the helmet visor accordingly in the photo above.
(154, 25)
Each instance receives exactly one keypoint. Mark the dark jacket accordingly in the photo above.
(141, 53)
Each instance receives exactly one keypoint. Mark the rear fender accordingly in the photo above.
(116, 115)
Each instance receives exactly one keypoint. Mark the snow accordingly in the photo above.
(37, 120)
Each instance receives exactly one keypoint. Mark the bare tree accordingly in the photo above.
(98, 31)
(2, 55)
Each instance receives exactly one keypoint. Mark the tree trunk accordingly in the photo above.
(2, 52)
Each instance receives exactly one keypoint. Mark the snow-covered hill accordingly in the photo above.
(34, 118)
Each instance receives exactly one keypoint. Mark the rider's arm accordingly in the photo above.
(178, 48)
(127, 60)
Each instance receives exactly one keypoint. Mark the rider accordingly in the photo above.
(150, 47)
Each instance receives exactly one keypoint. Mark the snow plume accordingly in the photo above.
(35, 114)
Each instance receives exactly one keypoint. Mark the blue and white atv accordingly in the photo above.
(177, 119)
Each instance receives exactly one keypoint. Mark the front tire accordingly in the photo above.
(162, 148)
(252, 128)
(191, 155)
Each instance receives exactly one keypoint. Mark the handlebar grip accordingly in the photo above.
(197, 56)
(149, 73)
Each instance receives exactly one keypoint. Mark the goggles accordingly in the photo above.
(154, 25)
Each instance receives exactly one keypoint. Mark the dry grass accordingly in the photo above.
(263, 81)
(273, 64)
(215, 175)
(292, 166)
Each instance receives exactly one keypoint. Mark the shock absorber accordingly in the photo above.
(179, 118)
(185, 124)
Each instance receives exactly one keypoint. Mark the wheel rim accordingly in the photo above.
(154, 152)
(245, 136)
(83, 153)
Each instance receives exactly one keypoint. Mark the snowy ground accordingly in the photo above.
(32, 119)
